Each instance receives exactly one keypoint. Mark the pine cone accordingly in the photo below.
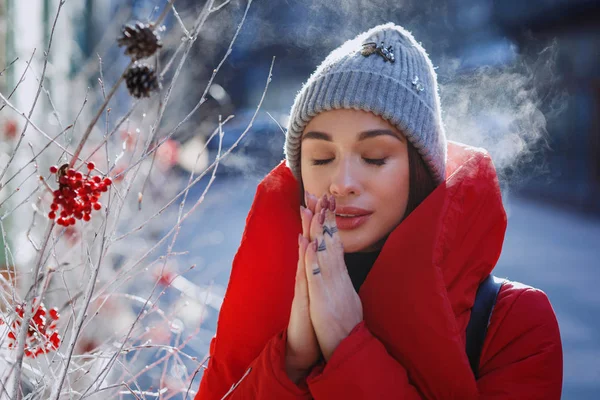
(140, 41)
(141, 80)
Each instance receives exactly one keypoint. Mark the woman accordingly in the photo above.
(396, 230)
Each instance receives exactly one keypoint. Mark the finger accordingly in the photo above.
(310, 201)
(306, 217)
(313, 271)
(300, 271)
(330, 230)
(317, 220)
(317, 235)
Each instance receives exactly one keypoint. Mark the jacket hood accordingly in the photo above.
(426, 275)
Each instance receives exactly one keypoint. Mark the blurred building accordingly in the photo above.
(574, 161)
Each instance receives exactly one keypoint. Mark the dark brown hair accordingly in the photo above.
(421, 183)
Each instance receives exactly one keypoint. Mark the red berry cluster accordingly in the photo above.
(77, 194)
(42, 336)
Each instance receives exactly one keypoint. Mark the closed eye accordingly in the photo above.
(322, 162)
(372, 161)
(375, 161)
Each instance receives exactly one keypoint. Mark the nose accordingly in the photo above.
(344, 181)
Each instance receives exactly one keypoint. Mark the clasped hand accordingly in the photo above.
(325, 307)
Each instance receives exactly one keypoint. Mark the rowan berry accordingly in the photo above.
(77, 194)
(42, 336)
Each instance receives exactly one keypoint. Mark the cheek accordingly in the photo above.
(392, 190)
(310, 179)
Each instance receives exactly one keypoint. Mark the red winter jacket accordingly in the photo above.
(416, 303)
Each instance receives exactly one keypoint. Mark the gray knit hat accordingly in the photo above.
(384, 71)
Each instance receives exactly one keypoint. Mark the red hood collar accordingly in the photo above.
(460, 225)
(426, 275)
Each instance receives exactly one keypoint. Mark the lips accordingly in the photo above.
(351, 211)
(347, 218)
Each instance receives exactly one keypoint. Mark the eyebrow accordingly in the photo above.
(361, 136)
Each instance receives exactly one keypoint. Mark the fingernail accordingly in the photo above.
(332, 204)
(322, 216)
(299, 238)
(315, 245)
(305, 199)
(325, 201)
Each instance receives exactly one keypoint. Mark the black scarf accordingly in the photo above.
(359, 265)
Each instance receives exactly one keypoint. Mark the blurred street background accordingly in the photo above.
(520, 78)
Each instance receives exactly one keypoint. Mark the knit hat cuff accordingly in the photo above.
(383, 96)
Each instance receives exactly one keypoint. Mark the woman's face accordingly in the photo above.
(362, 161)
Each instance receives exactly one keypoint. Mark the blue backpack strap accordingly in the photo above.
(480, 319)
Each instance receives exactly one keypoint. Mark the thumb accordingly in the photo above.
(301, 271)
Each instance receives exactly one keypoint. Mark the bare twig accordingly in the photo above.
(28, 314)
(177, 227)
(21, 79)
(80, 320)
(121, 14)
(71, 365)
(164, 13)
(125, 270)
(9, 261)
(9, 65)
(54, 110)
(30, 122)
(206, 89)
(97, 116)
(277, 123)
(114, 130)
(156, 214)
(200, 200)
(85, 100)
(194, 376)
(181, 24)
(35, 157)
(133, 393)
(197, 26)
(217, 8)
(17, 190)
(37, 95)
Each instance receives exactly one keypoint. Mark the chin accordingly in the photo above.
(358, 246)
(351, 249)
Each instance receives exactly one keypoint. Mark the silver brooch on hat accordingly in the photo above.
(372, 48)
(417, 84)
